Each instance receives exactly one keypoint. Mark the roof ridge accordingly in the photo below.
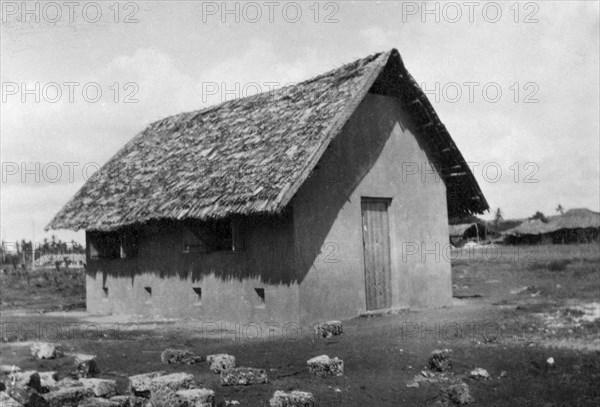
(219, 105)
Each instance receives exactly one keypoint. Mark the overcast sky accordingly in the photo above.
(534, 145)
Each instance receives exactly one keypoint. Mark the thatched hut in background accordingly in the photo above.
(287, 207)
(465, 232)
(574, 226)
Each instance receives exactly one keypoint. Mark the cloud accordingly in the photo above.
(378, 38)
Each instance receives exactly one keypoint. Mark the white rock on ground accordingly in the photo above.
(86, 365)
(49, 380)
(195, 398)
(139, 385)
(220, 362)
(292, 399)
(163, 388)
(325, 366)
(7, 401)
(479, 373)
(100, 387)
(328, 329)
(179, 356)
(44, 350)
(243, 376)
(68, 397)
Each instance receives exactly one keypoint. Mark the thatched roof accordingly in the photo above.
(580, 218)
(251, 155)
(531, 227)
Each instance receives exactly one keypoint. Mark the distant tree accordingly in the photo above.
(498, 217)
(539, 215)
(560, 209)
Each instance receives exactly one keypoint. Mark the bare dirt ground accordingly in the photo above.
(514, 308)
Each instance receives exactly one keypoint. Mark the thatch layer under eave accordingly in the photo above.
(245, 156)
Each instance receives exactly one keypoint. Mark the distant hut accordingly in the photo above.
(574, 226)
(579, 225)
(462, 233)
(284, 207)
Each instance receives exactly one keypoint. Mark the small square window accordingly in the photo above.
(149, 291)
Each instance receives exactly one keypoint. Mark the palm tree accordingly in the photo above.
(53, 244)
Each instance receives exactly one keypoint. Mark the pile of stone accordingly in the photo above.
(44, 350)
(154, 389)
(86, 365)
(324, 366)
(243, 376)
(179, 356)
(166, 390)
(7, 401)
(427, 377)
(194, 398)
(139, 385)
(479, 373)
(220, 362)
(163, 389)
(457, 394)
(440, 360)
(100, 387)
(68, 396)
(42, 382)
(45, 389)
(329, 329)
(292, 399)
(130, 401)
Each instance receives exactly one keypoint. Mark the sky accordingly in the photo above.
(516, 84)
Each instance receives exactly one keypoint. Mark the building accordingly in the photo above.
(292, 206)
(574, 226)
(464, 232)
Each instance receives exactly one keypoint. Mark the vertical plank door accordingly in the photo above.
(376, 246)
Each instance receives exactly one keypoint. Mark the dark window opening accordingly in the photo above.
(222, 235)
(113, 245)
(149, 291)
(261, 295)
(104, 245)
(129, 244)
(198, 291)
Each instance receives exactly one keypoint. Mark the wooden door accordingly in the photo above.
(376, 246)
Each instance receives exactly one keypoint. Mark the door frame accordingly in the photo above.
(389, 289)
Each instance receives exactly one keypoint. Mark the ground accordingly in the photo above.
(514, 308)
